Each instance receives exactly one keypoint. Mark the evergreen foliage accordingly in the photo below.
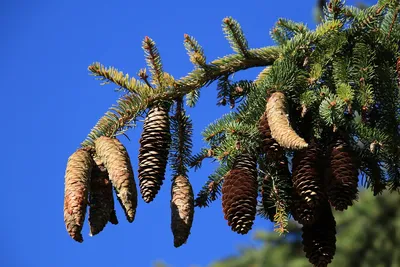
(367, 236)
(340, 80)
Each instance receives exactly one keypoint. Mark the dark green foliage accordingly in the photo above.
(367, 237)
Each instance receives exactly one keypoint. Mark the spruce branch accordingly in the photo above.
(111, 123)
(196, 160)
(111, 74)
(212, 189)
(195, 51)
(153, 60)
(235, 36)
(181, 148)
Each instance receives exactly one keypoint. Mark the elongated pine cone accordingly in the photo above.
(342, 185)
(101, 200)
(306, 176)
(301, 211)
(77, 177)
(117, 162)
(269, 145)
(182, 209)
(239, 194)
(153, 153)
(278, 120)
(319, 238)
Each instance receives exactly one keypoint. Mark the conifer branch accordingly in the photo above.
(212, 188)
(181, 148)
(111, 123)
(111, 74)
(153, 60)
(195, 51)
(235, 36)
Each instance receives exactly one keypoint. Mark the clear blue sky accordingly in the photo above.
(49, 104)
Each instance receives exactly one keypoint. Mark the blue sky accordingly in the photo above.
(49, 104)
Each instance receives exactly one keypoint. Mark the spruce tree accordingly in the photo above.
(324, 110)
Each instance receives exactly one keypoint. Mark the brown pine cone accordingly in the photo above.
(77, 177)
(239, 195)
(269, 146)
(319, 238)
(306, 176)
(101, 200)
(182, 209)
(153, 154)
(117, 162)
(342, 184)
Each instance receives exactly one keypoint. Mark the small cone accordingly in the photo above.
(77, 176)
(182, 209)
(239, 194)
(278, 120)
(342, 185)
(117, 162)
(319, 239)
(153, 153)
(101, 200)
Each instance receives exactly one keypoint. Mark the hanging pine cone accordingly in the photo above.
(306, 176)
(101, 200)
(278, 120)
(239, 194)
(182, 209)
(269, 146)
(117, 162)
(153, 153)
(319, 238)
(301, 211)
(342, 185)
(77, 176)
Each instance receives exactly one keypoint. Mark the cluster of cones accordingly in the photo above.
(92, 173)
(321, 180)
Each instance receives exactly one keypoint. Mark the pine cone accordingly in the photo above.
(319, 238)
(182, 209)
(77, 176)
(269, 146)
(278, 120)
(301, 211)
(239, 194)
(342, 185)
(153, 153)
(117, 162)
(306, 176)
(101, 200)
